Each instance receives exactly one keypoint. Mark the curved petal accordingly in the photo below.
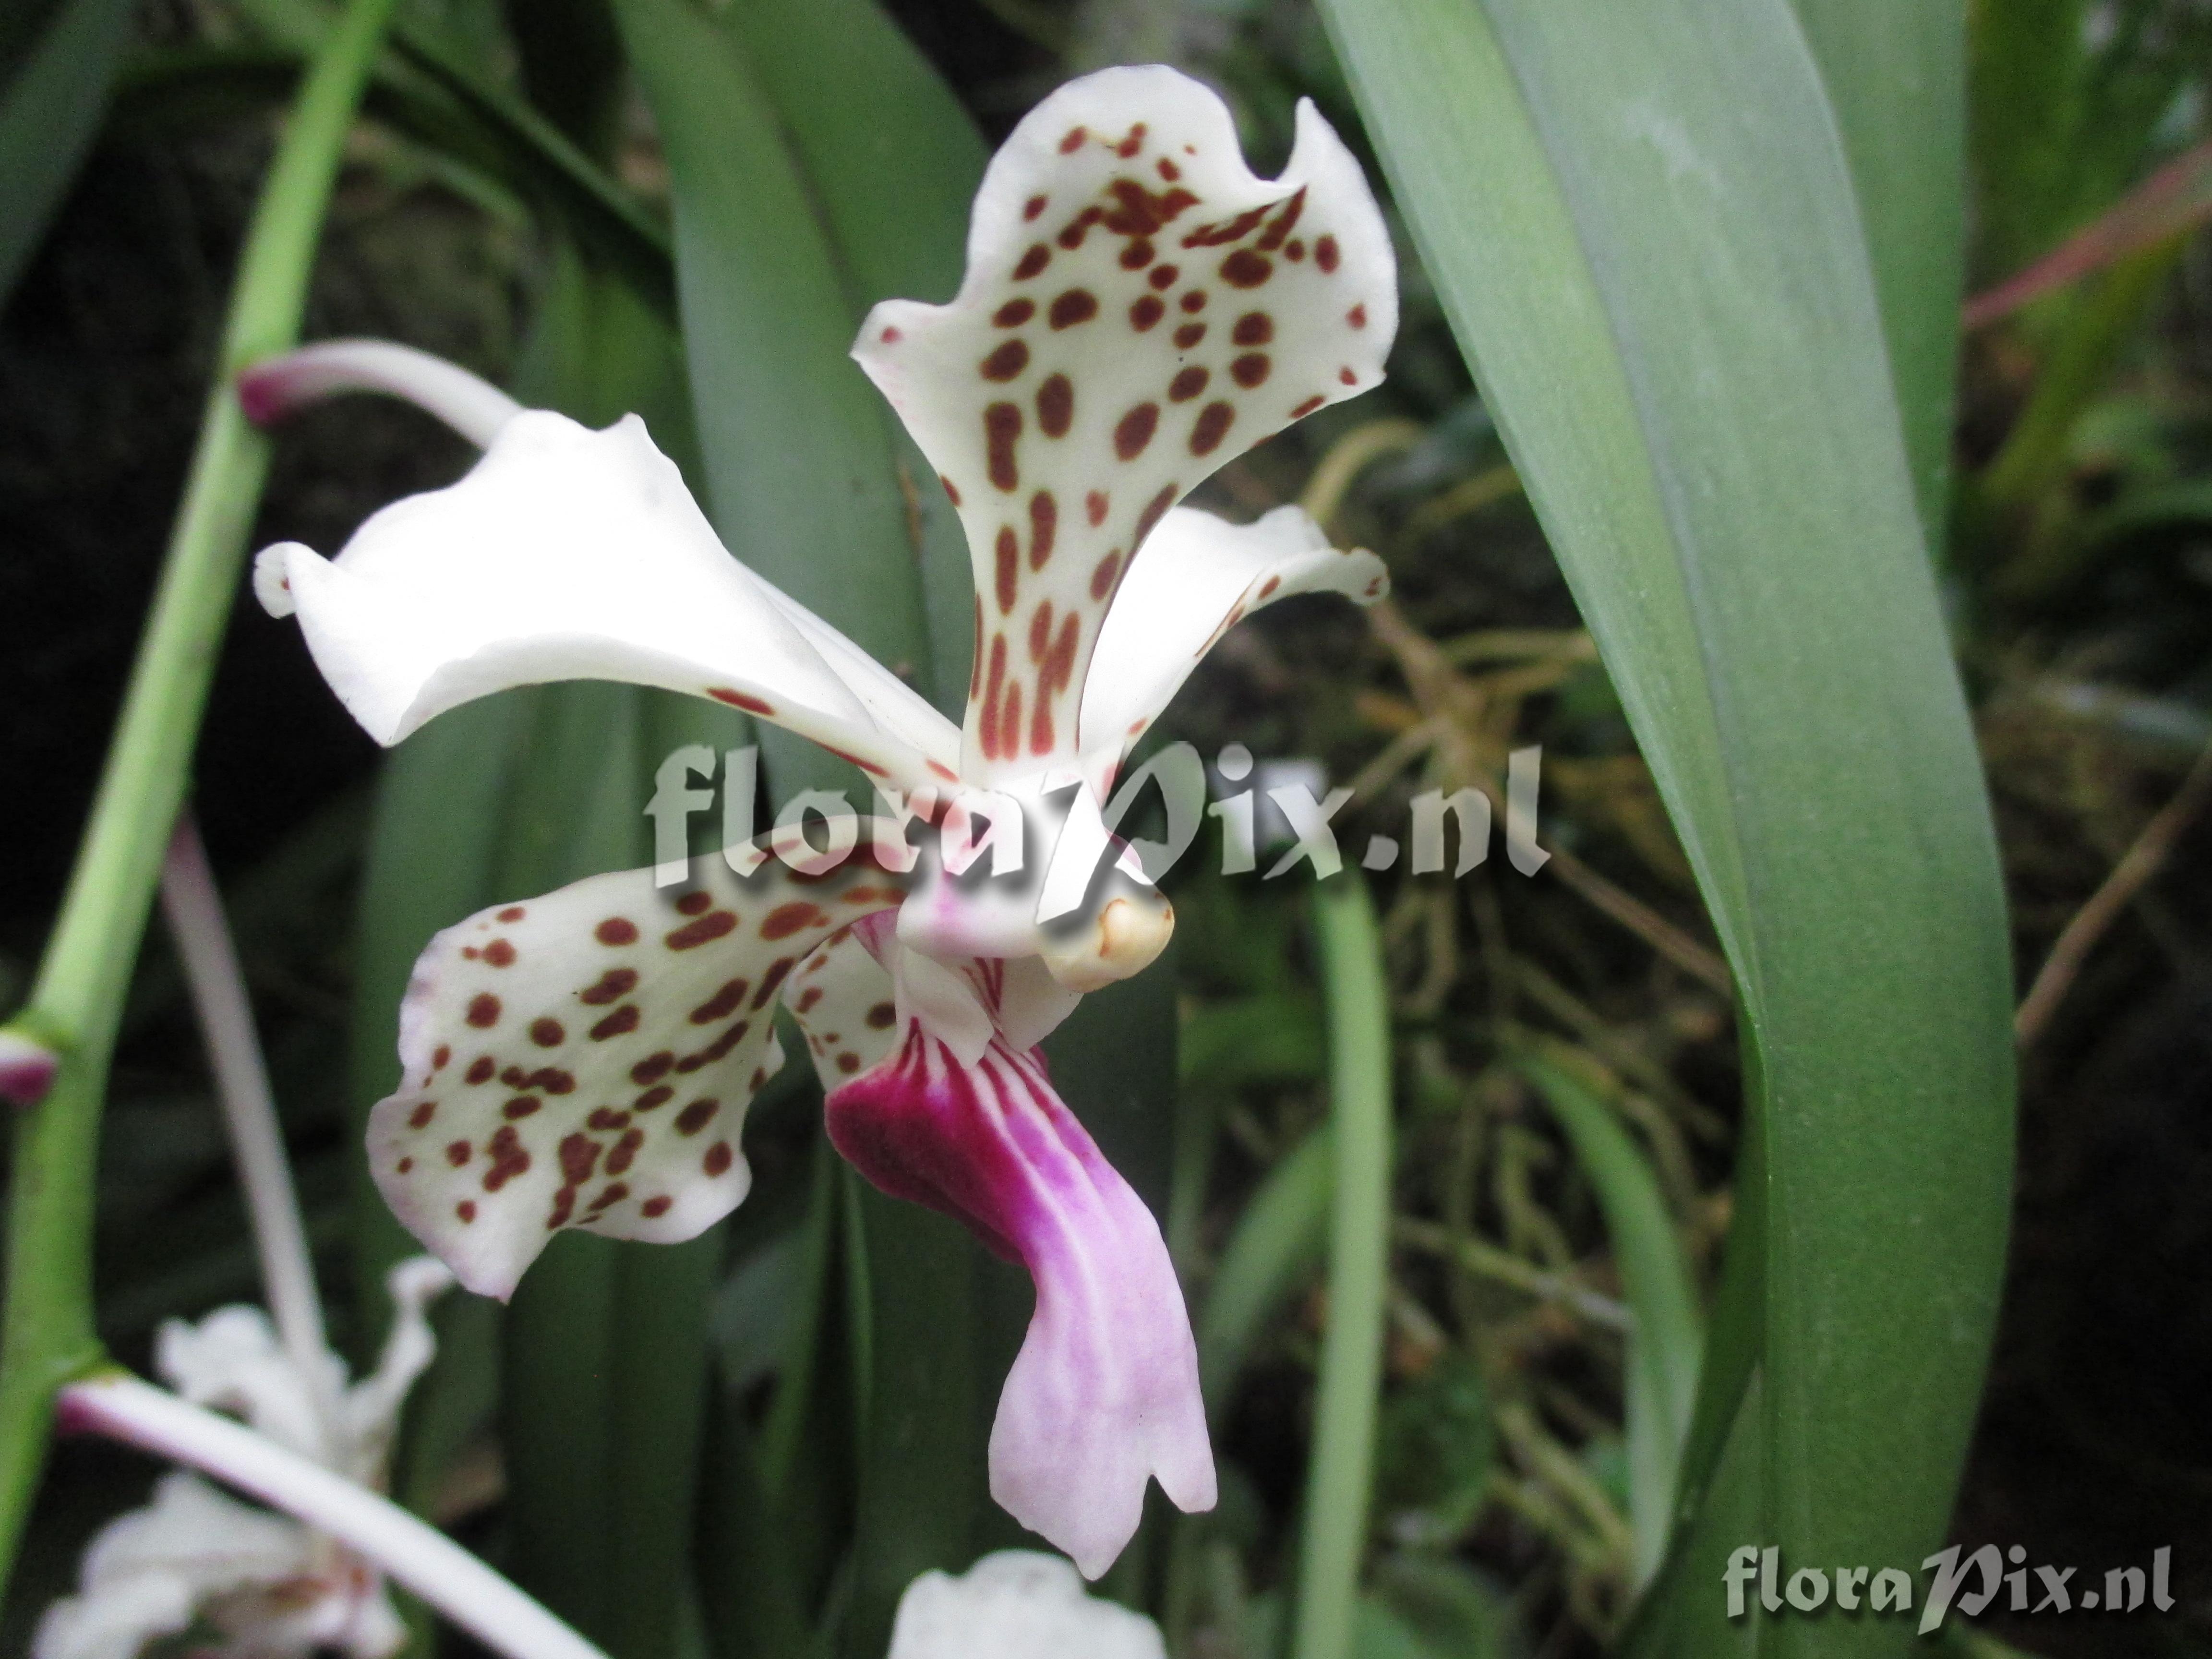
(1137, 310)
(1017, 1604)
(372, 1407)
(570, 554)
(1196, 579)
(1104, 1393)
(232, 1361)
(585, 1058)
(148, 1572)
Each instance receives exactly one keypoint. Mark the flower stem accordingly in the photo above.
(194, 911)
(47, 1334)
(1358, 1269)
(409, 1550)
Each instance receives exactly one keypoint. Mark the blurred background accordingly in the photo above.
(2078, 576)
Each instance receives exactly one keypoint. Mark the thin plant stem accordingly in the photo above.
(1337, 1483)
(412, 1550)
(2141, 861)
(47, 1334)
(194, 911)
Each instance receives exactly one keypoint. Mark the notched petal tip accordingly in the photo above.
(28, 1069)
(1103, 1396)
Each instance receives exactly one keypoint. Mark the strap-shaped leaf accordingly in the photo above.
(55, 92)
(1642, 224)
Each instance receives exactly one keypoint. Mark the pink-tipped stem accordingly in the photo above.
(26, 1069)
(278, 387)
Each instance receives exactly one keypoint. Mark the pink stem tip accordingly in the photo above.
(26, 1069)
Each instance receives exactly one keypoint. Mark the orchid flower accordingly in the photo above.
(1017, 1604)
(270, 1588)
(1137, 310)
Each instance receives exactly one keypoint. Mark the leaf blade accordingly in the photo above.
(1643, 231)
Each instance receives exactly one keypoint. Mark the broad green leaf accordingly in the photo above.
(1641, 222)
(1663, 1349)
(57, 80)
(1896, 74)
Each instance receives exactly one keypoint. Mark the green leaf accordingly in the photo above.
(1278, 1241)
(1642, 225)
(1450, 1611)
(1663, 1349)
(1896, 74)
(55, 92)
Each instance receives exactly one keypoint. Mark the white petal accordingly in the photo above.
(1197, 578)
(232, 1361)
(147, 1571)
(585, 1058)
(1139, 309)
(569, 553)
(1017, 1604)
(372, 1405)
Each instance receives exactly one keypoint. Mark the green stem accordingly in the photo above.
(47, 1334)
(1337, 1485)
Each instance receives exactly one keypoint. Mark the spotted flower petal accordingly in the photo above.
(585, 1058)
(843, 1002)
(1137, 310)
(570, 554)
(1196, 578)
(1017, 1604)
(1104, 1393)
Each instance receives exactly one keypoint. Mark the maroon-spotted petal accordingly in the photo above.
(585, 1058)
(1139, 309)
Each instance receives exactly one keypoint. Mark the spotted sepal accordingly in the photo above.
(1139, 309)
(843, 1001)
(585, 1058)
(1197, 578)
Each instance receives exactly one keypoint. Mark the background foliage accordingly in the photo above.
(684, 210)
